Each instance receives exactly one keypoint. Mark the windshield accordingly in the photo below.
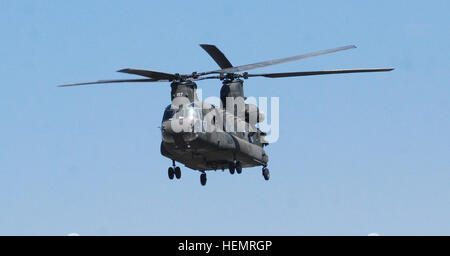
(191, 111)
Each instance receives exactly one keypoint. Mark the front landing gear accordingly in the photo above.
(174, 171)
(203, 179)
(266, 173)
(177, 172)
(171, 173)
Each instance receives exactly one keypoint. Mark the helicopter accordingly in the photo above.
(205, 137)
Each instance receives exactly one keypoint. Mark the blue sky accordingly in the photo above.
(357, 154)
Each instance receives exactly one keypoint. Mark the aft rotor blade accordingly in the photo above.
(112, 81)
(282, 60)
(217, 55)
(207, 77)
(149, 73)
(323, 72)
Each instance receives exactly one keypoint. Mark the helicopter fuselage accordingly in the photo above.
(200, 149)
(214, 151)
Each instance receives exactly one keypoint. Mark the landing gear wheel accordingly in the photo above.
(238, 167)
(177, 172)
(203, 179)
(266, 173)
(171, 173)
(231, 167)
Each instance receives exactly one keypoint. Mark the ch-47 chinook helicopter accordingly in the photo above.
(197, 134)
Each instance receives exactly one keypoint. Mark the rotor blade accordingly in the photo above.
(278, 61)
(149, 73)
(112, 81)
(217, 55)
(324, 72)
(207, 77)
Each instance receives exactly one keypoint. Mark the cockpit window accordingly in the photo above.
(191, 111)
(168, 113)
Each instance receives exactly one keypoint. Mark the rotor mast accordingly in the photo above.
(184, 88)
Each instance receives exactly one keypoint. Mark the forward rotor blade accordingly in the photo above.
(112, 81)
(149, 73)
(324, 72)
(217, 55)
(278, 61)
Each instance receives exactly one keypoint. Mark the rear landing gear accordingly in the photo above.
(235, 166)
(231, 167)
(238, 166)
(203, 179)
(174, 171)
(266, 173)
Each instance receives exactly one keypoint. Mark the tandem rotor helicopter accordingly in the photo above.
(206, 141)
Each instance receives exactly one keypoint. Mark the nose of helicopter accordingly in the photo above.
(166, 128)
